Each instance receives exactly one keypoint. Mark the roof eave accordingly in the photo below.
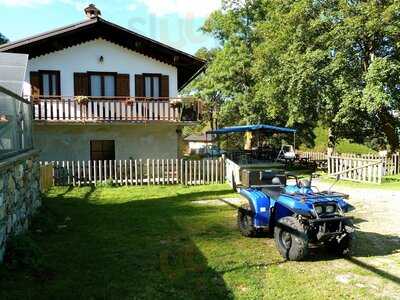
(188, 64)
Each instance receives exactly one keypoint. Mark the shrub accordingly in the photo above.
(107, 183)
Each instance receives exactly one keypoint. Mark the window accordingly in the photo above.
(102, 84)
(102, 150)
(152, 85)
(50, 83)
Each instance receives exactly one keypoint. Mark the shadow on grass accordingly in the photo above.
(366, 245)
(374, 270)
(134, 249)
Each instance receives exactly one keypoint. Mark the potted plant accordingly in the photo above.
(82, 99)
(176, 102)
(129, 101)
(189, 110)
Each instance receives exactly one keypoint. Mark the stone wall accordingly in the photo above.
(19, 194)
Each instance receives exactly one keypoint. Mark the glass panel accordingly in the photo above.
(53, 84)
(147, 86)
(46, 84)
(27, 126)
(156, 87)
(15, 126)
(95, 85)
(109, 85)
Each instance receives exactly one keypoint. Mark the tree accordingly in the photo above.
(3, 39)
(227, 85)
(298, 63)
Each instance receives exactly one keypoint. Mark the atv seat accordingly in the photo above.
(275, 189)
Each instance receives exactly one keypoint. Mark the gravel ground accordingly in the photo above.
(377, 246)
(380, 209)
(375, 265)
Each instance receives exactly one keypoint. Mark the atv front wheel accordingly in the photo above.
(341, 246)
(245, 221)
(291, 239)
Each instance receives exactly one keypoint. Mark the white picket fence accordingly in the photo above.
(313, 156)
(391, 164)
(356, 169)
(139, 172)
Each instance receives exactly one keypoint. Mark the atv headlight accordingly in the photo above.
(318, 209)
(330, 209)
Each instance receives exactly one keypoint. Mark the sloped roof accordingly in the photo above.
(188, 65)
(258, 127)
(12, 71)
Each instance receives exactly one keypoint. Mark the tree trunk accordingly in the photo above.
(248, 140)
(331, 142)
(388, 124)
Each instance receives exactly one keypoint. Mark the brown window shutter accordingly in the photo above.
(81, 84)
(123, 85)
(164, 86)
(139, 85)
(35, 84)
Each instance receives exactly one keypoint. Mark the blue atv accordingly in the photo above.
(297, 214)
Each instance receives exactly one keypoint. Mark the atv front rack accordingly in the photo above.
(316, 195)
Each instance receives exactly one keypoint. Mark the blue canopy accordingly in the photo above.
(245, 128)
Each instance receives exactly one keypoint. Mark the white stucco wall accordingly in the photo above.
(85, 57)
(72, 142)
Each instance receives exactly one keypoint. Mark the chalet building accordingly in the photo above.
(102, 92)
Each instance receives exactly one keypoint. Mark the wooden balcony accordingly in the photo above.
(116, 109)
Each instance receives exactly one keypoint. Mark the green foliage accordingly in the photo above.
(299, 63)
(3, 39)
(107, 183)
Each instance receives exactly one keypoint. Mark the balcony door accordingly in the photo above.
(102, 87)
(152, 85)
(102, 84)
(49, 83)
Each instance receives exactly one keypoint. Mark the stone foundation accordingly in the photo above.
(19, 195)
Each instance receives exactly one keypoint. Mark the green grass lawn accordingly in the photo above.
(158, 243)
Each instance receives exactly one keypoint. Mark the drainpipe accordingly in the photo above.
(180, 141)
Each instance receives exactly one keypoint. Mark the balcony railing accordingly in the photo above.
(115, 109)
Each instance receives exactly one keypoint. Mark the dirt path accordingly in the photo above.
(377, 248)
(380, 209)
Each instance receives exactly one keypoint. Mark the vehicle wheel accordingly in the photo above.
(291, 239)
(245, 221)
(343, 246)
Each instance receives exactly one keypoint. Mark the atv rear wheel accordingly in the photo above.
(342, 246)
(291, 239)
(245, 221)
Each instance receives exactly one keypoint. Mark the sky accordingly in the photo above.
(174, 22)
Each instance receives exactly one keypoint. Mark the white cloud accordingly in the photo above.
(77, 4)
(184, 8)
(132, 6)
(23, 2)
